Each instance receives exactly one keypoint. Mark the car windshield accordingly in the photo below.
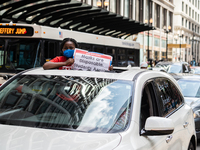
(190, 88)
(67, 103)
(174, 69)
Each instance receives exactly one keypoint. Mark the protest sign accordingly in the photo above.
(84, 60)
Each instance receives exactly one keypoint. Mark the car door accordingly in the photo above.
(149, 108)
(171, 104)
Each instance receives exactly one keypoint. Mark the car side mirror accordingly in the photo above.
(158, 126)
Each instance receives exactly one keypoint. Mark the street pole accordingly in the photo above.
(148, 47)
(166, 44)
(176, 51)
(180, 49)
(192, 45)
(148, 30)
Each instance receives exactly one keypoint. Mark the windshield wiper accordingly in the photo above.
(64, 129)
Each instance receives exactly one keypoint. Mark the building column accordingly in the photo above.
(152, 31)
(144, 2)
(160, 46)
(134, 9)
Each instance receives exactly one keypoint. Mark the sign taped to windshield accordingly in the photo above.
(84, 60)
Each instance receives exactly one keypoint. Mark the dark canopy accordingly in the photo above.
(68, 14)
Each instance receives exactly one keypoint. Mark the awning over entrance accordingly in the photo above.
(68, 14)
(179, 45)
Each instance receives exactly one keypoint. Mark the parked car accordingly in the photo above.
(195, 70)
(173, 67)
(190, 86)
(69, 109)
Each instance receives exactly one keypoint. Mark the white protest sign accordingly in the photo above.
(84, 60)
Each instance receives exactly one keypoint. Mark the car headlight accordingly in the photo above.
(196, 114)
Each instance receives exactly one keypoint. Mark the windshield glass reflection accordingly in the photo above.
(174, 69)
(190, 88)
(63, 102)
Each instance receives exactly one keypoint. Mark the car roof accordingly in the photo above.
(186, 76)
(170, 63)
(123, 73)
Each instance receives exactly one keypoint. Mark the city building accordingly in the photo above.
(115, 18)
(154, 43)
(186, 30)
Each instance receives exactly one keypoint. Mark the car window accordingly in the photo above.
(148, 104)
(174, 69)
(67, 102)
(168, 96)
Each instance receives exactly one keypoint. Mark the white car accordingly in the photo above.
(125, 109)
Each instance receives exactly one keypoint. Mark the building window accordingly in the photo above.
(182, 6)
(193, 2)
(163, 43)
(118, 6)
(171, 20)
(189, 11)
(189, 25)
(196, 16)
(193, 14)
(164, 16)
(157, 16)
(182, 21)
(139, 10)
(186, 9)
(186, 23)
(156, 41)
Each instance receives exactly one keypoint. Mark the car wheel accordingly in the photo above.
(191, 146)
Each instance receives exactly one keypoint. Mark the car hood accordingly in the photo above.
(25, 138)
(190, 100)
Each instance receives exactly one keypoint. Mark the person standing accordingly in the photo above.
(64, 61)
(193, 63)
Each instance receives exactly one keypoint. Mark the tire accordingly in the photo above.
(191, 146)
